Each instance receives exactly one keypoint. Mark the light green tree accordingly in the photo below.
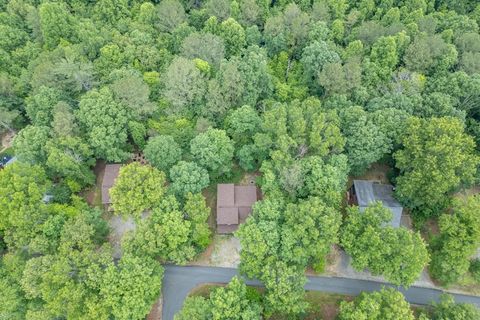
(436, 158)
(458, 240)
(104, 123)
(384, 304)
(137, 188)
(131, 287)
(29, 144)
(396, 253)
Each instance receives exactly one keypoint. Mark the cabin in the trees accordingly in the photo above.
(234, 204)
(363, 192)
(109, 176)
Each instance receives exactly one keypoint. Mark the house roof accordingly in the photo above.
(368, 191)
(109, 176)
(245, 196)
(234, 204)
(225, 195)
(227, 215)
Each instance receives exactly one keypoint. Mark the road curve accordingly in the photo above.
(179, 281)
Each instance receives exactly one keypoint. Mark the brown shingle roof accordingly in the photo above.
(225, 195)
(227, 216)
(109, 176)
(234, 204)
(245, 196)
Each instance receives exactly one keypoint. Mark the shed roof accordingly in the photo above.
(109, 176)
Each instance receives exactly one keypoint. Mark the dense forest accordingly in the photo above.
(305, 93)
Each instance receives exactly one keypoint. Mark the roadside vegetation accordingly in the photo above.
(303, 95)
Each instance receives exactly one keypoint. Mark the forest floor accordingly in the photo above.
(7, 140)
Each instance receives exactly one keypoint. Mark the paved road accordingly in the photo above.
(179, 281)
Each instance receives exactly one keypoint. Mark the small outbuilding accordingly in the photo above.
(109, 176)
(234, 204)
(363, 192)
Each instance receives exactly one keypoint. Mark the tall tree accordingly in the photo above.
(213, 150)
(29, 144)
(137, 188)
(162, 152)
(188, 177)
(384, 304)
(104, 123)
(458, 240)
(437, 157)
(396, 253)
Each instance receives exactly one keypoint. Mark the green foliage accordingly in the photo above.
(131, 287)
(104, 123)
(305, 91)
(162, 152)
(22, 188)
(437, 157)
(242, 124)
(365, 142)
(475, 269)
(56, 23)
(184, 86)
(458, 240)
(188, 177)
(277, 246)
(29, 144)
(384, 304)
(137, 188)
(230, 302)
(171, 233)
(448, 309)
(194, 307)
(213, 150)
(396, 253)
(71, 158)
(39, 107)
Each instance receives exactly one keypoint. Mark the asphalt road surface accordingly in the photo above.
(179, 281)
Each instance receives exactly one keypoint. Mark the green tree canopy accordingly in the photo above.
(188, 177)
(29, 144)
(437, 157)
(104, 123)
(137, 188)
(396, 253)
(458, 240)
(384, 304)
(162, 152)
(213, 150)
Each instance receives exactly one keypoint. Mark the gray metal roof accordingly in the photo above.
(368, 191)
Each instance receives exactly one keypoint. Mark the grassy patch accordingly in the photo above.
(204, 290)
(7, 152)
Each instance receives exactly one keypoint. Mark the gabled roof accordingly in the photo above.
(245, 196)
(227, 215)
(368, 191)
(109, 176)
(225, 195)
(234, 204)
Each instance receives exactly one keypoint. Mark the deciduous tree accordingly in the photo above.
(437, 157)
(137, 188)
(162, 152)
